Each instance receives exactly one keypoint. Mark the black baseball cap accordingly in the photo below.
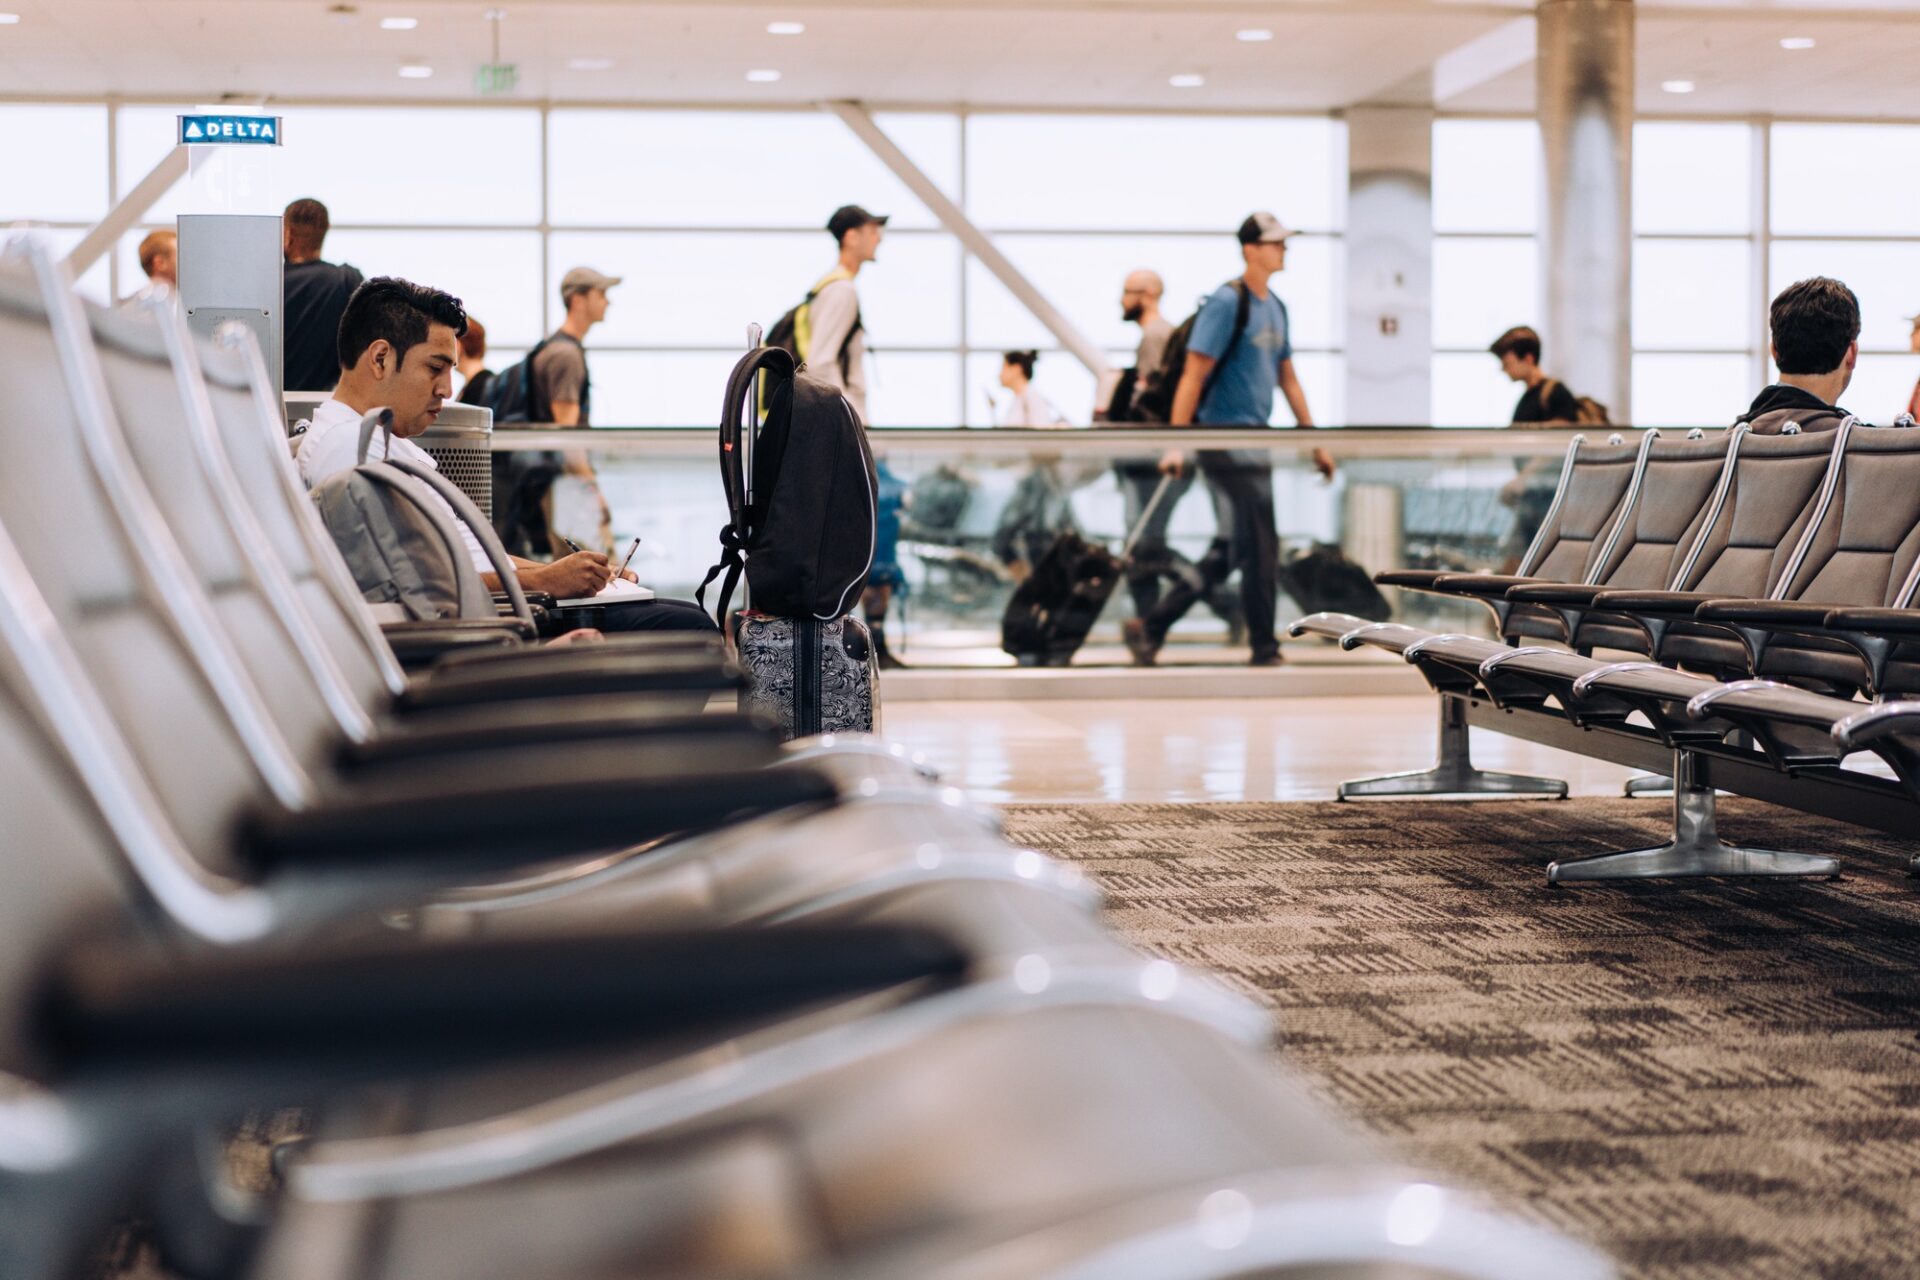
(849, 216)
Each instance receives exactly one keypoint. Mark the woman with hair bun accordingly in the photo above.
(1027, 408)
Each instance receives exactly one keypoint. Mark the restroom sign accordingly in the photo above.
(229, 131)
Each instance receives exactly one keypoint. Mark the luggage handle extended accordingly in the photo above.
(1146, 514)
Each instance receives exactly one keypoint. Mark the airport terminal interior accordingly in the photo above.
(959, 640)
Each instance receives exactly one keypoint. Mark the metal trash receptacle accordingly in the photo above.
(460, 442)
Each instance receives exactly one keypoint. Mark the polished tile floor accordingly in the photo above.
(1296, 748)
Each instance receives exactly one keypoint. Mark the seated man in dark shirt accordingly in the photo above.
(1546, 400)
(1816, 343)
(316, 297)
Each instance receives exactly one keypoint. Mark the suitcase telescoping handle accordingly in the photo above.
(1146, 514)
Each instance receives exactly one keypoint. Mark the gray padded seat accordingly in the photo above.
(1592, 486)
(1771, 493)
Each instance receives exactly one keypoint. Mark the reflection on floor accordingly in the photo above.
(1198, 749)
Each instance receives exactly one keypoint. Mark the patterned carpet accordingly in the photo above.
(1718, 1080)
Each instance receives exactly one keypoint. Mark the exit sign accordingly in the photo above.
(229, 131)
(496, 77)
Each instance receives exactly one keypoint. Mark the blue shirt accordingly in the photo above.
(1242, 393)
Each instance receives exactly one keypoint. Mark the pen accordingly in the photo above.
(629, 560)
(570, 542)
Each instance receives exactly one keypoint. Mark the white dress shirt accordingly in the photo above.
(332, 442)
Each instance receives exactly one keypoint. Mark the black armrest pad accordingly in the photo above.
(507, 726)
(589, 670)
(1764, 613)
(444, 820)
(1575, 593)
(423, 647)
(1494, 585)
(1678, 604)
(643, 644)
(403, 1008)
(1892, 622)
(1413, 579)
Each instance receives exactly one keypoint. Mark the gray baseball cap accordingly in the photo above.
(1263, 228)
(580, 279)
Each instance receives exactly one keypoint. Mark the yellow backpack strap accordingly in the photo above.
(803, 314)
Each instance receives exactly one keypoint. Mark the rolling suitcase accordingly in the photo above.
(805, 675)
(1051, 613)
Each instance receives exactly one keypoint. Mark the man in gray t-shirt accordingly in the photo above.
(833, 339)
(560, 392)
(1153, 559)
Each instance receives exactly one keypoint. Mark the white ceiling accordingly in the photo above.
(1326, 54)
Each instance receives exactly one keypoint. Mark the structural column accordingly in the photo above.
(1389, 265)
(1585, 69)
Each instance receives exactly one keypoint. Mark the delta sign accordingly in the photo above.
(229, 131)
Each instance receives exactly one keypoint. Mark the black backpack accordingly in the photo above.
(1322, 580)
(806, 540)
(1156, 401)
(785, 332)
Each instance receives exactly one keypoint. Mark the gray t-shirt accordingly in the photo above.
(560, 374)
(1148, 355)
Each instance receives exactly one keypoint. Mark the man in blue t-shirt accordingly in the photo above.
(1231, 370)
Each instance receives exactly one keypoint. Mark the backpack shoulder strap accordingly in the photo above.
(1242, 314)
(778, 364)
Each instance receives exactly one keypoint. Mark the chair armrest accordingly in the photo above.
(461, 817)
(642, 643)
(1411, 579)
(589, 671)
(1671, 604)
(1886, 622)
(425, 646)
(1765, 614)
(1493, 585)
(403, 1008)
(1550, 593)
(506, 726)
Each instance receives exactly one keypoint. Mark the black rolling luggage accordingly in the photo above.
(803, 535)
(1321, 579)
(1051, 613)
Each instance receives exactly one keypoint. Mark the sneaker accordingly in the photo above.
(1274, 659)
(1134, 632)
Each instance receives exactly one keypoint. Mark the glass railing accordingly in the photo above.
(976, 509)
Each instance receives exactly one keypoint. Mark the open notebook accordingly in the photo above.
(613, 593)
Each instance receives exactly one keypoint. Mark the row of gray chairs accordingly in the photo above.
(1728, 595)
(571, 985)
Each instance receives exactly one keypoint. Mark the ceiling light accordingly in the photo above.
(1677, 86)
(1186, 81)
(399, 24)
(416, 71)
(1253, 35)
(763, 75)
(9, 19)
(589, 64)
(786, 28)
(1798, 42)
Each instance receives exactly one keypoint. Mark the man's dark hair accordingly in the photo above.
(397, 310)
(1519, 341)
(1024, 360)
(307, 220)
(1814, 322)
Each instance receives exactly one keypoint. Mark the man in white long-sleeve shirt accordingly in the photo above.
(835, 341)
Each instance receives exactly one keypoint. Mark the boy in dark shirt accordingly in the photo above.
(1545, 399)
(1816, 343)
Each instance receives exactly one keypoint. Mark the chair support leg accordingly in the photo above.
(1453, 772)
(1696, 848)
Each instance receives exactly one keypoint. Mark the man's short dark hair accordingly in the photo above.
(1520, 342)
(399, 311)
(1814, 322)
(308, 224)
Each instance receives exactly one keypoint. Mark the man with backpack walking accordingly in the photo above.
(1224, 369)
(825, 330)
(549, 385)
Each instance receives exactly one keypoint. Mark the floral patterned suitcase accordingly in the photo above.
(808, 676)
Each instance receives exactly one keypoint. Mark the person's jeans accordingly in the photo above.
(1242, 491)
(1153, 557)
(656, 615)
